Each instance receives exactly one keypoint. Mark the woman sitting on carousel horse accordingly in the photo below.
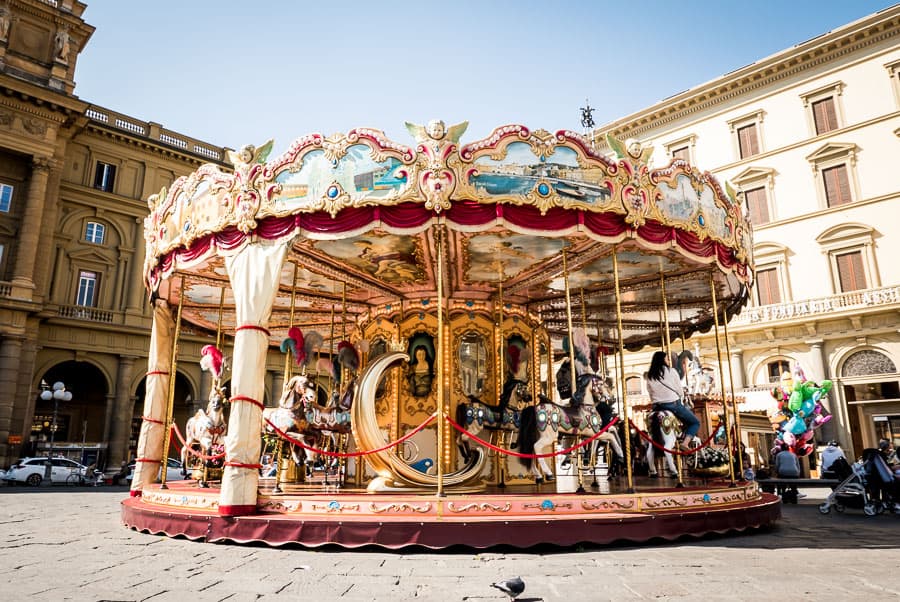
(666, 392)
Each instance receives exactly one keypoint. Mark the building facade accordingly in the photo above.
(74, 179)
(808, 139)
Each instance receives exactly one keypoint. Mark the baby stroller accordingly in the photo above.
(860, 487)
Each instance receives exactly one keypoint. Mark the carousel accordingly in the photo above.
(453, 319)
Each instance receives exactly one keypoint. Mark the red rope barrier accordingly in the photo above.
(191, 451)
(408, 435)
(533, 456)
(677, 452)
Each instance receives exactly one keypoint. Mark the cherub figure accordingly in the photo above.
(249, 154)
(437, 130)
(631, 149)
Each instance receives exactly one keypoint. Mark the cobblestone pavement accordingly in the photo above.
(65, 544)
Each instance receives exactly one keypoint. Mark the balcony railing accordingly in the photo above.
(154, 132)
(861, 299)
(91, 314)
(5, 289)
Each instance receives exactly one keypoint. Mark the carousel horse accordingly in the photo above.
(204, 428)
(700, 381)
(542, 424)
(476, 415)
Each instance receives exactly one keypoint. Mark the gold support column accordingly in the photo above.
(712, 289)
(621, 371)
(170, 398)
(441, 354)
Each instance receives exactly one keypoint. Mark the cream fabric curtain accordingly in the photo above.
(150, 443)
(254, 272)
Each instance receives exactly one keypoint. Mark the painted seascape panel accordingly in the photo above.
(491, 254)
(519, 172)
(356, 173)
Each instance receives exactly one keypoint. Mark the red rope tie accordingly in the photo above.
(158, 373)
(153, 420)
(676, 452)
(533, 456)
(149, 460)
(253, 327)
(298, 443)
(255, 402)
(242, 465)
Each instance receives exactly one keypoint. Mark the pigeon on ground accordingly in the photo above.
(511, 587)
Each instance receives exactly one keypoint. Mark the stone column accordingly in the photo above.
(10, 352)
(122, 412)
(737, 369)
(44, 259)
(818, 370)
(134, 280)
(277, 383)
(27, 245)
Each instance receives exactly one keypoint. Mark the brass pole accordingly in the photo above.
(440, 357)
(569, 323)
(287, 356)
(734, 406)
(712, 288)
(331, 350)
(345, 372)
(170, 401)
(535, 366)
(501, 344)
(622, 371)
(665, 304)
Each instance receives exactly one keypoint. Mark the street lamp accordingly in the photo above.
(57, 394)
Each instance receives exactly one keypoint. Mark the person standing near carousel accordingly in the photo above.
(666, 393)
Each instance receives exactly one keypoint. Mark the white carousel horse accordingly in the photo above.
(203, 429)
(700, 381)
(475, 415)
(542, 424)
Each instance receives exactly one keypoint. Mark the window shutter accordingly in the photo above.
(757, 206)
(824, 115)
(850, 272)
(682, 153)
(767, 286)
(837, 185)
(748, 141)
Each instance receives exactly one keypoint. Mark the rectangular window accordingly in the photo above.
(95, 232)
(837, 185)
(105, 176)
(850, 271)
(6, 192)
(776, 369)
(748, 141)
(633, 386)
(824, 115)
(87, 289)
(767, 288)
(757, 205)
(682, 153)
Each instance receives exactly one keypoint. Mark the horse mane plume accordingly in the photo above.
(348, 356)
(582, 346)
(296, 335)
(311, 344)
(211, 360)
(324, 366)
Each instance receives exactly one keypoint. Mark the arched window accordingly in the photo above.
(867, 362)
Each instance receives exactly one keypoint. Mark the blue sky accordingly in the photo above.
(232, 73)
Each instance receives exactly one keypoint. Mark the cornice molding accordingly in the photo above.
(148, 145)
(776, 68)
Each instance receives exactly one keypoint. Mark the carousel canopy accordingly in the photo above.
(366, 219)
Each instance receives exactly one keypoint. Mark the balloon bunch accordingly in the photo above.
(799, 412)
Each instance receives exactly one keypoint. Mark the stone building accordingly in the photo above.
(808, 137)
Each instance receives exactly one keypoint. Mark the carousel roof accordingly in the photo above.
(365, 216)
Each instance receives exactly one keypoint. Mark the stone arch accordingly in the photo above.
(758, 368)
(866, 362)
(77, 217)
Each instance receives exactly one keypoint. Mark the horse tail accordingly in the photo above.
(528, 434)
(462, 409)
(656, 427)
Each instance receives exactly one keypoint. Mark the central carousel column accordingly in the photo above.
(156, 399)
(254, 273)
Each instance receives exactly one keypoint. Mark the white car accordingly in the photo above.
(173, 471)
(31, 470)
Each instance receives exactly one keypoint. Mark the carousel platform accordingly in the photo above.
(520, 516)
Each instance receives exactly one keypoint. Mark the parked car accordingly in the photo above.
(31, 470)
(173, 471)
